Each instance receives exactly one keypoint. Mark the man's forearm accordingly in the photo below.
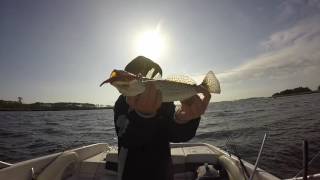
(181, 132)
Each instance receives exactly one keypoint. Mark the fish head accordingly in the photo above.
(119, 76)
(127, 84)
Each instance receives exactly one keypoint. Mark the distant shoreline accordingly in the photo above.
(15, 106)
(14, 110)
(39, 106)
(294, 92)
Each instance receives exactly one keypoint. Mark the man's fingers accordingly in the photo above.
(144, 96)
(198, 106)
(150, 90)
(206, 98)
(206, 94)
(150, 93)
(188, 101)
(149, 101)
(140, 103)
(185, 105)
(146, 91)
(153, 92)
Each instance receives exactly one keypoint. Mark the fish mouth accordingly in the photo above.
(114, 76)
(120, 77)
(123, 81)
(110, 80)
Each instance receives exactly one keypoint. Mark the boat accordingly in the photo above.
(99, 161)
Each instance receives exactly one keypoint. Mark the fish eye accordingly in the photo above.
(113, 74)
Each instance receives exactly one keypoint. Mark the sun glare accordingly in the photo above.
(150, 44)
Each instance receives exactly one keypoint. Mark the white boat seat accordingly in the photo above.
(63, 166)
(178, 156)
(200, 154)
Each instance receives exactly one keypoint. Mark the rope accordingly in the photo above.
(310, 162)
(258, 158)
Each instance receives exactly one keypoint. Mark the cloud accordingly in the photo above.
(291, 10)
(305, 30)
(294, 51)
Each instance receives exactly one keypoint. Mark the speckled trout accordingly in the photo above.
(173, 88)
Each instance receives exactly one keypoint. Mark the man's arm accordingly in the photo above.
(187, 117)
(180, 132)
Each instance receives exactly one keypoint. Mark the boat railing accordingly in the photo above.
(306, 163)
(4, 164)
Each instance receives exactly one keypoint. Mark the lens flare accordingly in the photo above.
(150, 44)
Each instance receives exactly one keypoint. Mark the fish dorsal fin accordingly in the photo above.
(181, 79)
(150, 73)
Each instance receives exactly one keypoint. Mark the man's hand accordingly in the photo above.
(193, 107)
(148, 102)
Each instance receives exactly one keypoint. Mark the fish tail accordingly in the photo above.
(211, 83)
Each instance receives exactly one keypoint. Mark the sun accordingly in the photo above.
(150, 44)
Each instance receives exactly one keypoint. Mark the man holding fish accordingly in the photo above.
(146, 119)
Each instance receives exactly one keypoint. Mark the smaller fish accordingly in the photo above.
(175, 88)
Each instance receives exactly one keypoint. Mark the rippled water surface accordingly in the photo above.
(287, 120)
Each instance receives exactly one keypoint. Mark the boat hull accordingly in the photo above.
(99, 161)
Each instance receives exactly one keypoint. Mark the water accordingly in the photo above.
(287, 120)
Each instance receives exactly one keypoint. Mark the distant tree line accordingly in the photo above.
(38, 106)
(295, 91)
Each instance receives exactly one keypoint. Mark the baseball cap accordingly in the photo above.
(143, 65)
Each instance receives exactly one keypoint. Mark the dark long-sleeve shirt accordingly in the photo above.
(143, 143)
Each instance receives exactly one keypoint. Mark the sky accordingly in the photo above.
(60, 51)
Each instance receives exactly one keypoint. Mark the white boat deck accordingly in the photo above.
(93, 168)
